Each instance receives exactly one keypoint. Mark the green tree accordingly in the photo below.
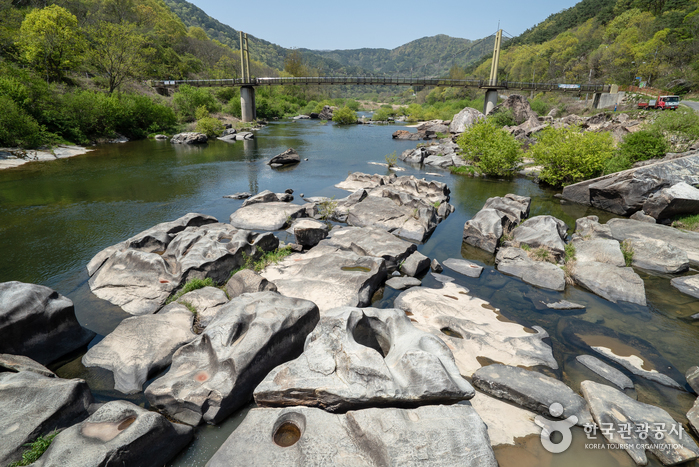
(344, 116)
(118, 52)
(294, 64)
(490, 149)
(51, 41)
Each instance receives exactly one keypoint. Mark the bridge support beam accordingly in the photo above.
(247, 103)
(491, 100)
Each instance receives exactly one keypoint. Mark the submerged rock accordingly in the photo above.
(448, 435)
(464, 267)
(473, 329)
(688, 285)
(612, 407)
(215, 374)
(33, 405)
(531, 390)
(39, 323)
(516, 262)
(359, 358)
(565, 305)
(607, 372)
(118, 433)
(141, 346)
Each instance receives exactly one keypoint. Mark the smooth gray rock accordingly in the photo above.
(565, 305)
(33, 405)
(308, 232)
(413, 156)
(328, 276)
(601, 250)
(242, 195)
(371, 241)
(142, 346)
(589, 227)
(607, 372)
(465, 119)
(610, 282)
(38, 322)
(189, 138)
(519, 106)
(358, 180)
(215, 374)
(623, 229)
(515, 207)
(679, 199)
(267, 216)
(542, 232)
(206, 301)
(118, 433)
(17, 363)
(360, 358)
(688, 285)
(414, 264)
(692, 377)
(467, 268)
(290, 156)
(439, 161)
(435, 266)
(229, 138)
(531, 390)
(486, 228)
(402, 283)
(609, 405)
(449, 435)
(657, 255)
(516, 262)
(693, 416)
(643, 217)
(262, 197)
(473, 328)
(248, 281)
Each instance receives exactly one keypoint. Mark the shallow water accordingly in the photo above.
(55, 216)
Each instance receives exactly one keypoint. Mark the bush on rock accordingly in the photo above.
(490, 149)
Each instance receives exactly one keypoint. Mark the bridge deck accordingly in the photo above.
(385, 81)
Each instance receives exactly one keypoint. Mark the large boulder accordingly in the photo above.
(118, 433)
(447, 434)
(215, 374)
(516, 262)
(248, 281)
(589, 227)
(486, 228)
(326, 113)
(465, 119)
(309, 232)
(328, 276)
(602, 250)
(657, 255)
(531, 390)
(611, 407)
(610, 282)
(365, 357)
(679, 199)
(34, 405)
(414, 264)
(473, 329)
(519, 106)
(515, 207)
(371, 241)
(38, 322)
(688, 285)
(405, 135)
(414, 156)
(142, 346)
(189, 138)
(542, 232)
(17, 363)
(290, 156)
(267, 216)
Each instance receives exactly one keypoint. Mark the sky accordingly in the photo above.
(332, 24)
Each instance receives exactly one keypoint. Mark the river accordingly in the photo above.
(54, 216)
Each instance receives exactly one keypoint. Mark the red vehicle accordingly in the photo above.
(662, 103)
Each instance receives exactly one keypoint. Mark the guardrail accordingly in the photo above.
(385, 81)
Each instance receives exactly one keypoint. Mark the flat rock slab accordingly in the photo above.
(688, 285)
(601, 250)
(328, 276)
(531, 390)
(38, 322)
(467, 268)
(622, 229)
(19, 363)
(611, 406)
(610, 282)
(215, 374)
(371, 241)
(657, 255)
(516, 262)
(607, 372)
(118, 433)
(366, 357)
(34, 405)
(267, 216)
(402, 283)
(473, 328)
(141, 346)
(206, 301)
(426, 436)
(565, 305)
(506, 422)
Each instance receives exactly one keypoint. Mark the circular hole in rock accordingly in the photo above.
(287, 435)
(126, 423)
(451, 333)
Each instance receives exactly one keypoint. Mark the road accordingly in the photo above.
(692, 105)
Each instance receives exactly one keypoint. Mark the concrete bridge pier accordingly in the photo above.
(491, 100)
(247, 103)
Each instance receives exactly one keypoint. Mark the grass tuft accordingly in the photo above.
(463, 170)
(687, 222)
(193, 284)
(627, 250)
(36, 449)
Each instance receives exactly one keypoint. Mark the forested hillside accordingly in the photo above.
(607, 41)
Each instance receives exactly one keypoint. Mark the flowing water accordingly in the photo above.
(54, 216)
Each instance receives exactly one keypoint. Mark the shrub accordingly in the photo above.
(502, 118)
(539, 106)
(643, 145)
(19, 129)
(568, 156)
(617, 163)
(490, 149)
(210, 126)
(391, 159)
(680, 127)
(344, 116)
(234, 108)
(352, 104)
(188, 98)
(381, 115)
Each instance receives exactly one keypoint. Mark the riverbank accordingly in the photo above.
(15, 157)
